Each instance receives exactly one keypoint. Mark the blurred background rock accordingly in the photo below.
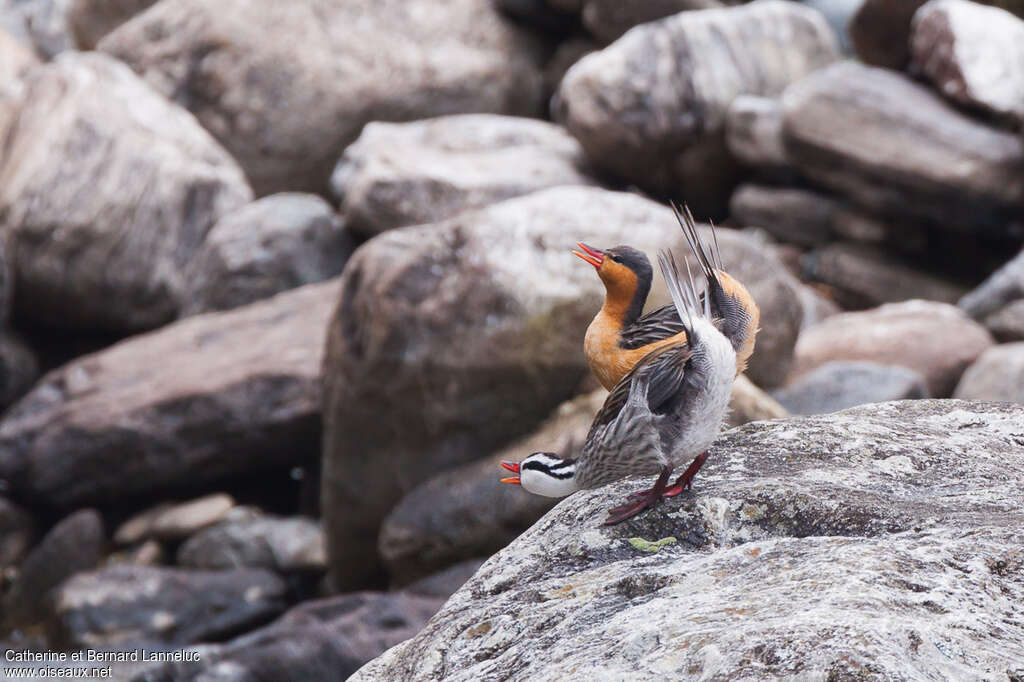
(281, 282)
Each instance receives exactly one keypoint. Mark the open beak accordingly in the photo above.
(588, 253)
(514, 468)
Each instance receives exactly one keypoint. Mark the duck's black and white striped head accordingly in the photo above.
(544, 473)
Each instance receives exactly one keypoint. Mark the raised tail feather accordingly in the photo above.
(683, 292)
(708, 258)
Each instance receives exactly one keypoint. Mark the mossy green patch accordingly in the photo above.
(648, 546)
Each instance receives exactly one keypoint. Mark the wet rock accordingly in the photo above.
(90, 20)
(753, 133)
(895, 147)
(211, 395)
(973, 54)
(913, 334)
(292, 545)
(426, 171)
(174, 521)
(606, 20)
(838, 385)
(286, 113)
(477, 324)
(125, 605)
(799, 216)
(880, 31)
(444, 584)
(107, 190)
(665, 133)
(864, 277)
(17, 532)
(272, 245)
(917, 503)
(467, 512)
(75, 544)
(997, 375)
(19, 368)
(749, 403)
(317, 641)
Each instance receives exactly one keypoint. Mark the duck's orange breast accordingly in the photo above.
(608, 361)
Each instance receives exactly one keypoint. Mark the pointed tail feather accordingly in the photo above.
(683, 293)
(708, 258)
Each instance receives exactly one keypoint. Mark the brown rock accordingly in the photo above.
(896, 148)
(880, 31)
(650, 108)
(287, 113)
(107, 189)
(914, 334)
(864, 277)
(211, 395)
(19, 367)
(753, 133)
(1007, 323)
(997, 375)
(973, 54)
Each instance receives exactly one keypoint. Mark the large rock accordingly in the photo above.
(43, 24)
(107, 190)
(1007, 323)
(19, 367)
(864, 277)
(753, 134)
(212, 395)
(973, 54)
(120, 606)
(999, 290)
(997, 375)
(75, 544)
(15, 59)
(285, 113)
(283, 545)
(606, 20)
(894, 146)
(477, 325)
(838, 385)
(317, 641)
(651, 107)
(880, 542)
(271, 245)
(90, 20)
(880, 31)
(800, 216)
(426, 171)
(17, 532)
(935, 339)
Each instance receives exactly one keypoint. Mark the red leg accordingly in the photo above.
(686, 480)
(647, 499)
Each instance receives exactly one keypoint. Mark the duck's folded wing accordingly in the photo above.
(652, 327)
(664, 371)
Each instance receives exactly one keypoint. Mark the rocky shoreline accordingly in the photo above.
(280, 284)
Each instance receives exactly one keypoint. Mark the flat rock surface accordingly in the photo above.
(121, 606)
(284, 113)
(272, 245)
(204, 397)
(399, 174)
(913, 334)
(882, 540)
(107, 189)
(997, 375)
(973, 54)
(895, 146)
(491, 298)
(650, 108)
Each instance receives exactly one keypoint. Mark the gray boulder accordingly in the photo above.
(426, 171)
(317, 641)
(838, 385)
(863, 277)
(997, 375)
(41, 24)
(882, 541)
(90, 20)
(272, 245)
(973, 54)
(650, 108)
(283, 545)
(104, 221)
(1001, 290)
(17, 533)
(914, 334)
(75, 544)
(477, 324)
(753, 134)
(803, 217)
(284, 113)
(205, 397)
(896, 148)
(124, 605)
(1007, 323)
(444, 584)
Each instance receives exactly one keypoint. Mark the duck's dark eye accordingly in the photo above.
(614, 257)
